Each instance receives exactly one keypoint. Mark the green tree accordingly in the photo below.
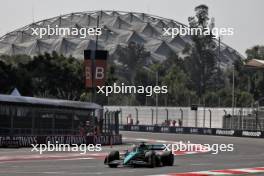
(256, 52)
(6, 78)
(255, 77)
(133, 57)
(56, 76)
(201, 60)
(13, 76)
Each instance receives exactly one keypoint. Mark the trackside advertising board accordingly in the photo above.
(193, 130)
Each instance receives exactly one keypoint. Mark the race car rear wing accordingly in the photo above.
(156, 147)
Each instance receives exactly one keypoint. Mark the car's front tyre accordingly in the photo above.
(114, 155)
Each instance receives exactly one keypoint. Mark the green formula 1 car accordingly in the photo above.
(141, 155)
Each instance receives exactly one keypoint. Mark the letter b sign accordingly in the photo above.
(99, 73)
(95, 75)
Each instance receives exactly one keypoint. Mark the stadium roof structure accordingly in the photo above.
(118, 28)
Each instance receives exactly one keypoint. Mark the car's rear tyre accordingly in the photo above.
(114, 155)
(167, 158)
(151, 159)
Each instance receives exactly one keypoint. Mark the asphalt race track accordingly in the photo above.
(248, 153)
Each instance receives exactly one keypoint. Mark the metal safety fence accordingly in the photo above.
(203, 117)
